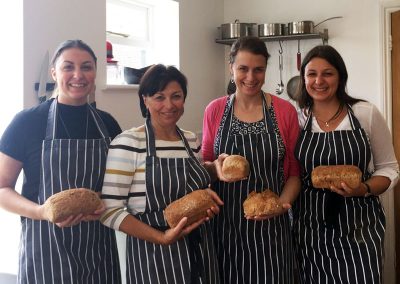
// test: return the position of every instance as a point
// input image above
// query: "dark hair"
(331, 55)
(251, 44)
(156, 79)
(72, 43)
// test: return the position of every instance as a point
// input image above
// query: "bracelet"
(368, 190)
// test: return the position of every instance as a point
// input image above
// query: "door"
(395, 27)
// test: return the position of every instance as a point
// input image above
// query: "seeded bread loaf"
(325, 176)
(235, 167)
(262, 203)
(193, 206)
(71, 202)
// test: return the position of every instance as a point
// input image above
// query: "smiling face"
(248, 72)
(75, 74)
(166, 106)
(321, 80)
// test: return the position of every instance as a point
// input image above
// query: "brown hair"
(251, 44)
(331, 55)
(156, 79)
(72, 43)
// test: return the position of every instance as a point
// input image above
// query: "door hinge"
(390, 44)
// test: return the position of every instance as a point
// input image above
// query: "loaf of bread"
(193, 206)
(235, 167)
(262, 203)
(325, 176)
(69, 202)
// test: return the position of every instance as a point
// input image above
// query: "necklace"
(65, 126)
(333, 118)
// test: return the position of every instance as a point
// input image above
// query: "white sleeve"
(384, 162)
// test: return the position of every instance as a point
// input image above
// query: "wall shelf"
(323, 35)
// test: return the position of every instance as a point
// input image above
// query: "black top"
(22, 140)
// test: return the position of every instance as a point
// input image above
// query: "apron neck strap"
(151, 141)
(266, 116)
(355, 124)
(51, 128)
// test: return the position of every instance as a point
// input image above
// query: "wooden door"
(395, 27)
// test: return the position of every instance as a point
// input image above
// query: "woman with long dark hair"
(339, 231)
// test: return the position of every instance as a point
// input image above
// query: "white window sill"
(121, 87)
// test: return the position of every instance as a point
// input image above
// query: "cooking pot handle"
(331, 18)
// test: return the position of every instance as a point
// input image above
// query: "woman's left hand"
(347, 191)
(285, 208)
(215, 209)
(96, 214)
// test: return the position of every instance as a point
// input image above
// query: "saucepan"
(305, 27)
(271, 29)
(301, 27)
(236, 30)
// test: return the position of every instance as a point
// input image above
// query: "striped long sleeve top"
(124, 187)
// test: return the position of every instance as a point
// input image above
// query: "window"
(142, 33)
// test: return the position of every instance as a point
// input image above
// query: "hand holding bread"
(193, 206)
(231, 168)
(266, 203)
(327, 176)
(72, 202)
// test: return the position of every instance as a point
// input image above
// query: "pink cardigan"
(288, 124)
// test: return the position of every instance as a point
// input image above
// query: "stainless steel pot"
(271, 29)
(301, 27)
(236, 30)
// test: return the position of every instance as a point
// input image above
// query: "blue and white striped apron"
(338, 239)
(87, 252)
(189, 260)
(252, 251)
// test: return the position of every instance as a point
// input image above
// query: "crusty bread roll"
(262, 203)
(235, 167)
(325, 176)
(193, 206)
(71, 202)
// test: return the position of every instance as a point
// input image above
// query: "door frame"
(387, 199)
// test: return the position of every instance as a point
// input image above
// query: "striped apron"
(338, 239)
(87, 252)
(252, 251)
(189, 260)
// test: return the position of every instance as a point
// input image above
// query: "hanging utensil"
(298, 56)
(292, 87)
(43, 78)
(281, 86)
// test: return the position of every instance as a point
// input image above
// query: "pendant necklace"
(333, 118)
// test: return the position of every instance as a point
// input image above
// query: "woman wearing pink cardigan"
(263, 128)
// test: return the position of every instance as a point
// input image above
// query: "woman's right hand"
(218, 167)
(181, 230)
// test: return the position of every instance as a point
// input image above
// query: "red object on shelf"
(110, 53)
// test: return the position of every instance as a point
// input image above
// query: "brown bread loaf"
(262, 203)
(193, 206)
(235, 167)
(71, 202)
(325, 176)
